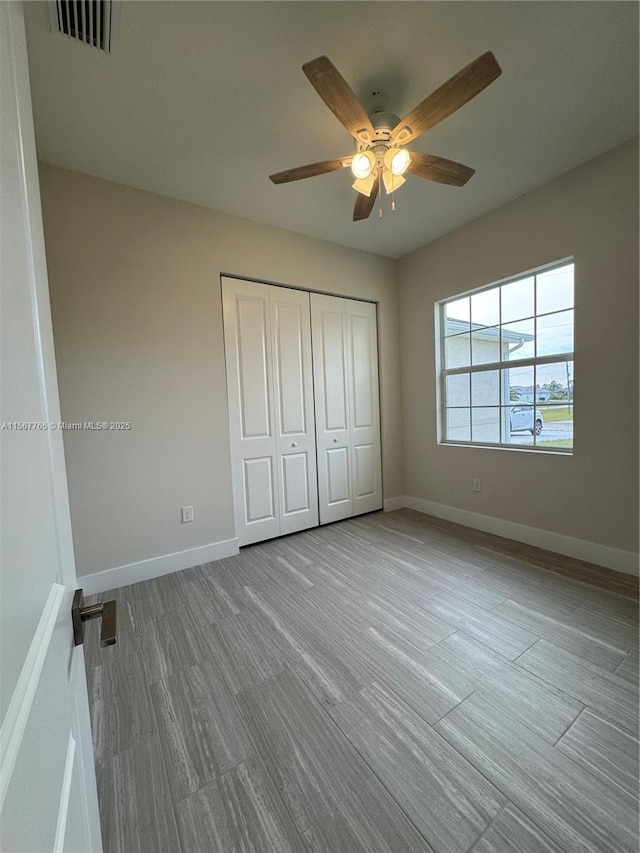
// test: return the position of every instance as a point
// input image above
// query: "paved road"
(550, 432)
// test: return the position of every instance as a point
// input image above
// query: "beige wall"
(137, 318)
(135, 290)
(592, 214)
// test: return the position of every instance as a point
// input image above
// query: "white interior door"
(294, 409)
(247, 335)
(364, 406)
(331, 383)
(48, 798)
(345, 364)
(271, 414)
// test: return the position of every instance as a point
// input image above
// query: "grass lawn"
(556, 442)
(556, 413)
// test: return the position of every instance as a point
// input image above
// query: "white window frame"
(442, 372)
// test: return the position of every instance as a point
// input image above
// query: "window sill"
(517, 448)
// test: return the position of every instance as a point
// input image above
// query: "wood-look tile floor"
(388, 683)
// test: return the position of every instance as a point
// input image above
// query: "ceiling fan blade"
(364, 204)
(439, 169)
(310, 171)
(452, 95)
(338, 96)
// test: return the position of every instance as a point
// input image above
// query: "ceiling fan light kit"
(392, 182)
(365, 185)
(380, 136)
(363, 164)
(397, 160)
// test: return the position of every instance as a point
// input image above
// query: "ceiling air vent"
(92, 22)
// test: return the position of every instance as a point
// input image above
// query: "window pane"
(517, 300)
(555, 404)
(517, 385)
(458, 390)
(457, 316)
(458, 425)
(454, 327)
(517, 423)
(508, 362)
(555, 333)
(518, 340)
(485, 308)
(485, 388)
(554, 290)
(556, 379)
(457, 351)
(485, 345)
(485, 424)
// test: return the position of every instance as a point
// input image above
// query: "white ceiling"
(201, 101)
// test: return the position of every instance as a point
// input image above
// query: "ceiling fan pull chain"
(380, 194)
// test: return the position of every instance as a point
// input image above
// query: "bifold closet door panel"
(294, 409)
(302, 380)
(364, 406)
(247, 331)
(331, 384)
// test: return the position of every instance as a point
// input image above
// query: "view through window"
(506, 357)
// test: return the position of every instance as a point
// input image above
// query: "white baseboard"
(394, 503)
(579, 549)
(145, 570)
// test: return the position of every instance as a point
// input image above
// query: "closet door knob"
(294, 444)
(335, 440)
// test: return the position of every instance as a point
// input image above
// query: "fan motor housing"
(383, 124)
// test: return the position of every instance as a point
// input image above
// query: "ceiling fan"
(380, 136)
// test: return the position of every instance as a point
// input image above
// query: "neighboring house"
(485, 342)
(527, 393)
(480, 406)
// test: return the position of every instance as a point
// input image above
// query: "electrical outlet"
(187, 514)
(477, 484)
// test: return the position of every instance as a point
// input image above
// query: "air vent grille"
(92, 22)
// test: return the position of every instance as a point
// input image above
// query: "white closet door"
(331, 384)
(294, 410)
(345, 366)
(247, 331)
(364, 406)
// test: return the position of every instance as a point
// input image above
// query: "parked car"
(525, 418)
